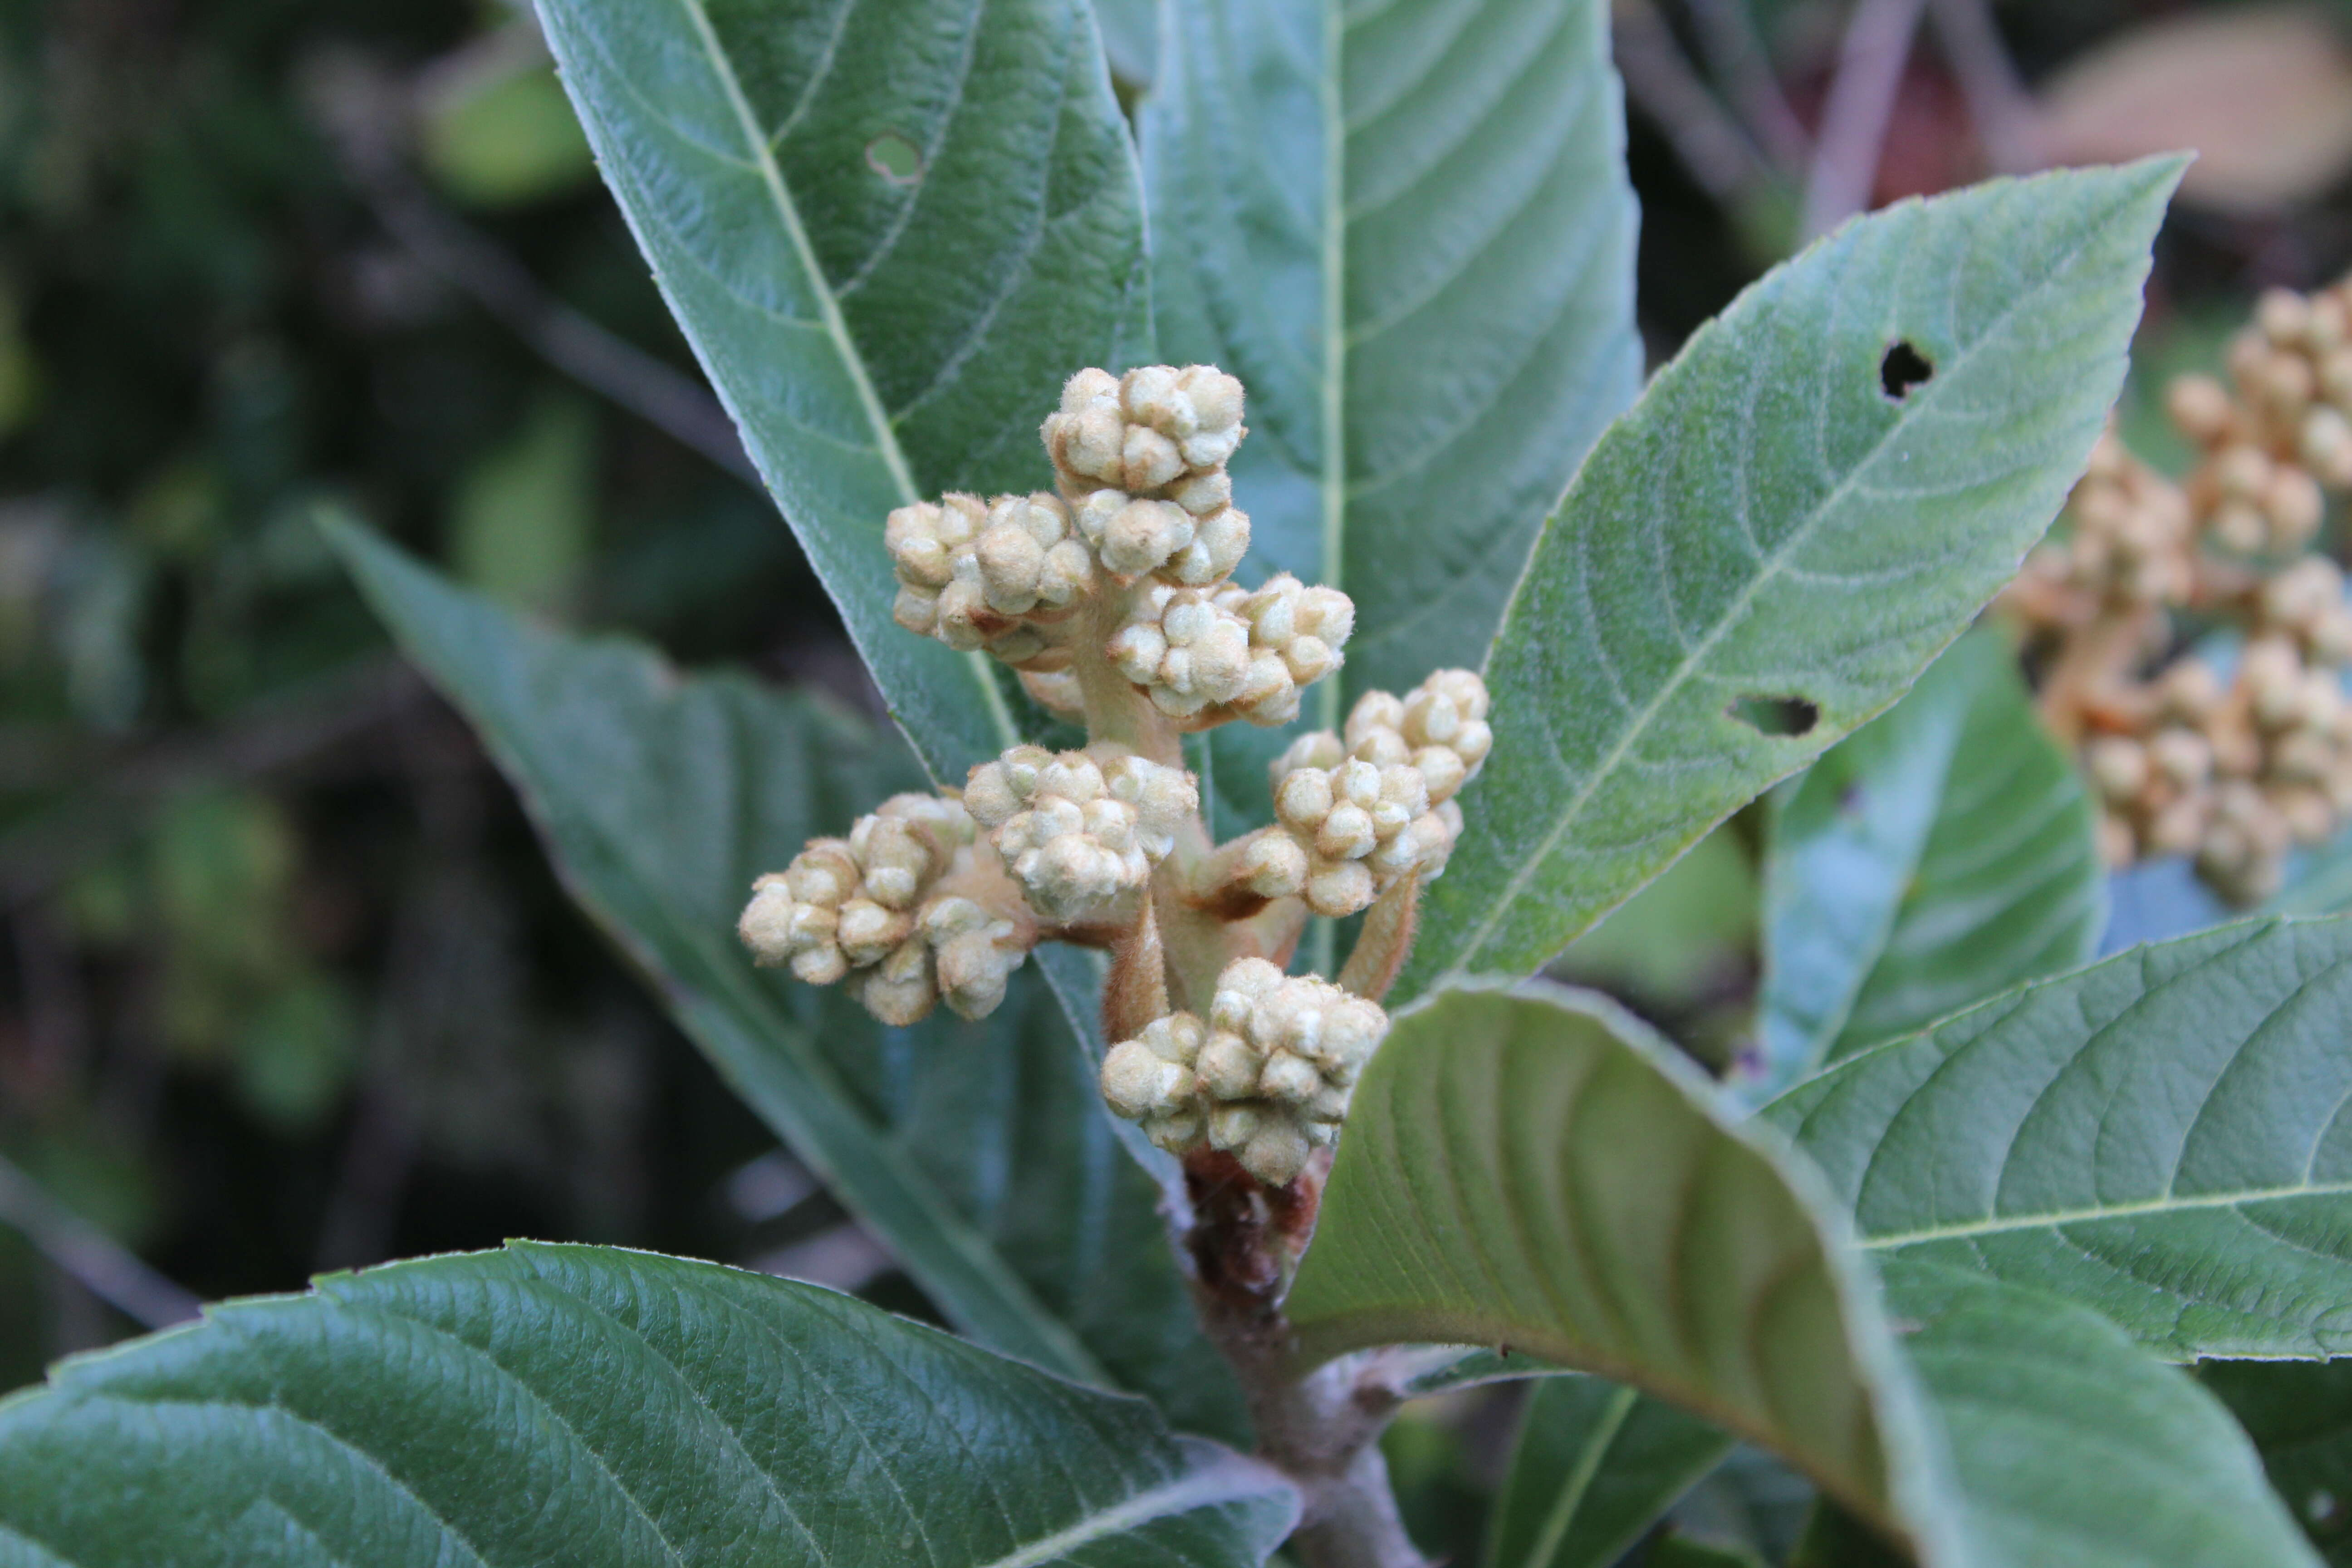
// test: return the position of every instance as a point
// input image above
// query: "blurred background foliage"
(285, 982)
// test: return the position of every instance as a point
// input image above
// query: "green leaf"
(2161, 1137)
(2072, 1446)
(598, 1408)
(980, 1153)
(1407, 228)
(1768, 547)
(1537, 1170)
(889, 233)
(1943, 852)
(1596, 1465)
(2300, 1418)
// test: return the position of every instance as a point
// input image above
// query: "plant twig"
(1659, 81)
(366, 121)
(278, 733)
(1736, 57)
(2006, 122)
(86, 1255)
(1871, 62)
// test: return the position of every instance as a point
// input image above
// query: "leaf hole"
(1776, 715)
(895, 158)
(1902, 368)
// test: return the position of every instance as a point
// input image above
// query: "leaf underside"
(599, 1409)
(1768, 548)
(1533, 1170)
(2161, 1137)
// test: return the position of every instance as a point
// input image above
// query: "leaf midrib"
(1571, 1500)
(1996, 1224)
(1773, 566)
(1334, 477)
(836, 328)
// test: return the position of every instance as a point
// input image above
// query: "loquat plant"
(1243, 793)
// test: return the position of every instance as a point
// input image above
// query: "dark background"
(285, 982)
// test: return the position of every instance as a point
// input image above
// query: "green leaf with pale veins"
(2071, 1446)
(1537, 1170)
(980, 1153)
(889, 233)
(1596, 1465)
(598, 1408)
(1944, 851)
(2162, 1137)
(1771, 545)
(2299, 1416)
(1406, 225)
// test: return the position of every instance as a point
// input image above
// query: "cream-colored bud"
(1177, 1037)
(1344, 888)
(1373, 710)
(2191, 690)
(1274, 867)
(2295, 506)
(1442, 769)
(2241, 526)
(2199, 406)
(1216, 397)
(1010, 563)
(1137, 1082)
(1151, 394)
(2284, 316)
(1149, 460)
(766, 925)
(1346, 834)
(1290, 1077)
(2309, 818)
(869, 930)
(2243, 471)
(1091, 444)
(2182, 757)
(1228, 1066)
(1317, 748)
(2117, 765)
(1275, 1153)
(2325, 444)
(1304, 799)
(899, 990)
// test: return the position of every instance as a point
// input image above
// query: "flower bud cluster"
(2132, 546)
(1205, 658)
(1142, 460)
(890, 910)
(1266, 1079)
(1080, 830)
(2233, 772)
(1362, 809)
(995, 575)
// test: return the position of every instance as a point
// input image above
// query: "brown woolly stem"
(1322, 1430)
(1136, 991)
(2091, 660)
(1114, 710)
(1216, 883)
(1386, 941)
